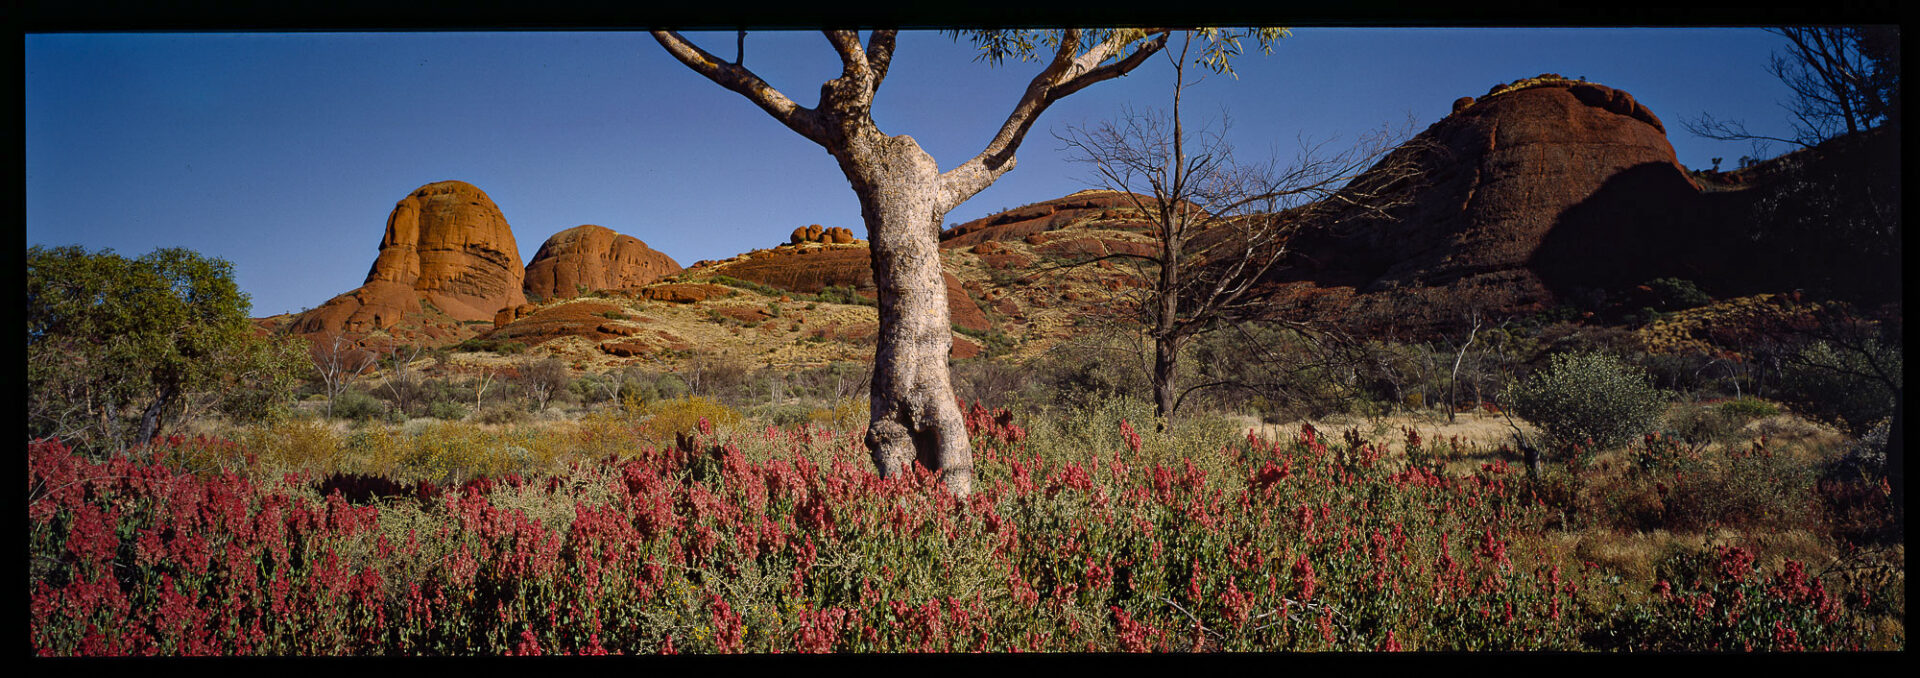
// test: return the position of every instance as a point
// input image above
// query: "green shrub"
(358, 405)
(447, 409)
(1674, 294)
(1697, 423)
(1748, 408)
(502, 415)
(1588, 396)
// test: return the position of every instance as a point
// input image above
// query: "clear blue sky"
(283, 153)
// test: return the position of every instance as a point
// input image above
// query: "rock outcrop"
(815, 233)
(808, 270)
(446, 245)
(1496, 177)
(587, 258)
(1050, 215)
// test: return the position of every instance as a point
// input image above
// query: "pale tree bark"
(904, 198)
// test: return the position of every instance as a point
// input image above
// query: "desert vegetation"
(1169, 455)
(725, 508)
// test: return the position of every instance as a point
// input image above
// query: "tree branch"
(880, 55)
(1065, 75)
(798, 118)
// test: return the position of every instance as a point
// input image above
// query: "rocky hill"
(586, 258)
(448, 257)
(1544, 192)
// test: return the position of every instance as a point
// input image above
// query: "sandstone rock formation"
(810, 270)
(447, 245)
(587, 258)
(1500, 173)
(684, 293)
(815, 233)
(1041, 217)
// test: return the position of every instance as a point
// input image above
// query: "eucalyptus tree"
(905, 196)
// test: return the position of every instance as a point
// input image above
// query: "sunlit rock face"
(446, 244)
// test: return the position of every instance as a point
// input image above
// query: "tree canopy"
(119, 348)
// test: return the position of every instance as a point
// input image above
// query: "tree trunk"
(1166, 354)
(150, 419)
(914, 415)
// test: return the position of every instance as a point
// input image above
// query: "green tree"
(120, 349)
(1589, 396)
(904, 197)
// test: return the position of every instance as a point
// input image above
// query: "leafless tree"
(543, 379)
(904, 196)
(402, 385)
(1220, 227)
(1453, 378)
(340, 362)
(487, 375)
(1844, 79)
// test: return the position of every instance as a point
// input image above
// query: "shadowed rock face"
(593, 257)
(445, 244)
(1500, 173)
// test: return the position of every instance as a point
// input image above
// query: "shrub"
(447, 409)
(1674, 294)
(846, 414)
(358, 405)
(1586, 396)
(1699, 424)
(502, 415)
(680, 415)
(1749, 407)
(543, 380)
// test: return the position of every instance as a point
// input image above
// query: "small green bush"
(1588, 396)
(358, 405)
(447, 409)
(1674, 294)
(502, 415)
(1748, 408)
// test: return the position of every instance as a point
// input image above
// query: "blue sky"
(283, 153)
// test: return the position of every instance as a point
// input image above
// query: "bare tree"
(1844, 79)
(340, 362)
(904, 197)
(543, 379)
(1220, 227)
(402, 385)
(1453, 378)
(487, 375)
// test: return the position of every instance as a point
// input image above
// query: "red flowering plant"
(782, 540)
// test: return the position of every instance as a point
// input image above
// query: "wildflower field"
(1090, 535)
